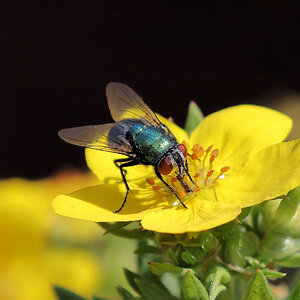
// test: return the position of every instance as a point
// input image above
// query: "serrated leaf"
(271, 274)
(125, 294)
(258, 287)
(131, 278)
(194, 117)
(65, 294)
(216, 280)
(295, 294)
(161, 268)
(193, 289)
(147, 249)
(151, 291)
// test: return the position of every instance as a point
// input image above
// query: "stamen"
(174, 179)
(196, 189)
(150, 181)
(209, 173)
(194, 156)
(197, 175)
(182, 193)
(206, 153)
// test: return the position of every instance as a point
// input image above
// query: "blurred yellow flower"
(30, 261)
(236, 161)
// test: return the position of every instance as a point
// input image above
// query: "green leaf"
(137, 234)
(232, 248)
(189, 258)
(193, 289)
(216, 280)
(161, 268)
(291, 261)
(124, 293)
(271, 274)
(65, 294)
(172, 256)
(147, 250)
(151, 291)
(258, 287)
(131, 278)
(97, 298)
(194, 117)
(208, 241)
(197, 252)
(110, 228)
(295, 295)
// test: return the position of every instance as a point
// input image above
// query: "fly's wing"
(125, 103)
(96, 137)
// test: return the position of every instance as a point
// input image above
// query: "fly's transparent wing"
(96, 137)
(125, 103)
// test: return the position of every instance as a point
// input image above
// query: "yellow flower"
(30, 261)
(237, 160)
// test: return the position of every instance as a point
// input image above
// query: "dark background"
(57, 56)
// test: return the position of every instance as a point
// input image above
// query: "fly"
(138, 134)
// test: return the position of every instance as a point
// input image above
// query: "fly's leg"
(171, 189)
(127, 163)
(187, 172)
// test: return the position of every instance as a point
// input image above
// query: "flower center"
(201, 165)
(201, 169)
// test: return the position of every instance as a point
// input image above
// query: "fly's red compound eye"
(165, 167)
(182, 148)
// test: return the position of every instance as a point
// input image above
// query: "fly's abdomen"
(153, 143)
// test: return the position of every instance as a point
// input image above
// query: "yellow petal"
(240, 130)
(98, 203)
(200, 215)
(265, 175)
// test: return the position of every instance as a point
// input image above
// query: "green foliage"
(216, 280)
(65, 294)
(258, 287)
(295, 295)
(124, 293)
(194, 117)
(193, 289)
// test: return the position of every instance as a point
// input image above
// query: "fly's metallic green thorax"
(151, 142)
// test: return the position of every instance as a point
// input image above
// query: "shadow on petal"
(98, 203)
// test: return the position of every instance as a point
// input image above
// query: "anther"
(194, 156)
(197, 175)
(225, 169)
(150, 181)
(156, 188)
(196, 189)
(173, 180)
(209, 148)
